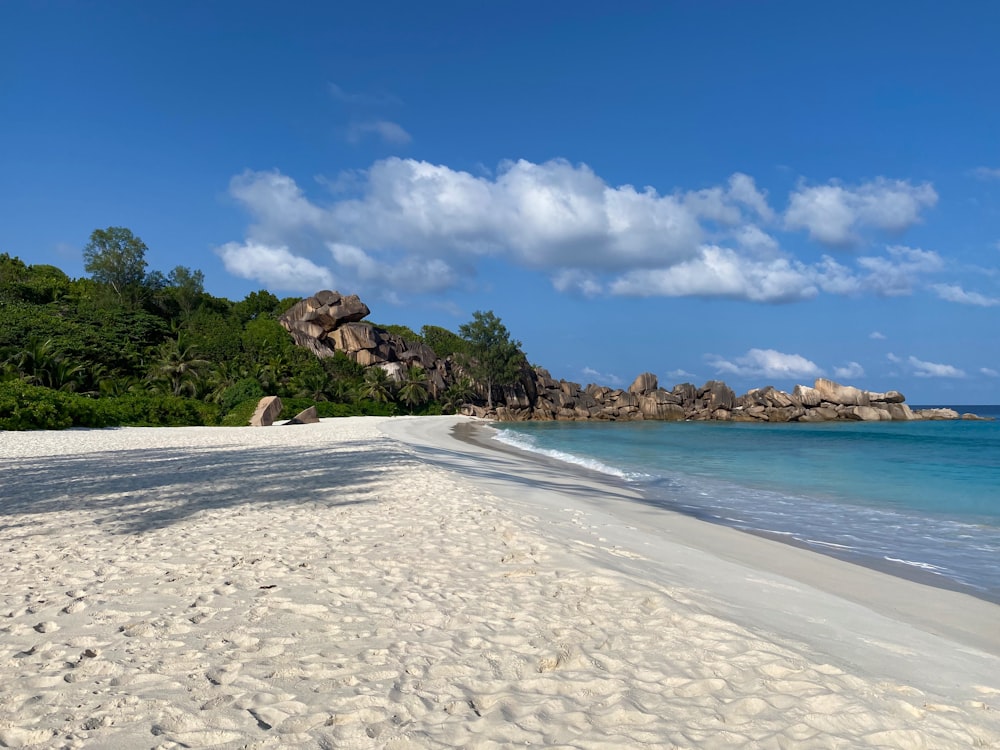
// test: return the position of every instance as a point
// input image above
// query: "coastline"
(477, 433)
(628, 524)
(378, 582)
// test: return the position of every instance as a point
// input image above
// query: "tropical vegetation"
(129, 346)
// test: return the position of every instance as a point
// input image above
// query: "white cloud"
(720, 272)
(766, 363)
(409, 273)
(581, 282)
(752, 238)
(405, 225)
(388, 131)
(933, 370)
(279, 207)
(989, 372)
(896, 274)
(274, 267)
(877, 336)
(986, 173)
(893, 358)
(743, 189)
(834, 214)
(955, 293)
(848, 371)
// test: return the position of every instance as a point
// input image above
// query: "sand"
(376, 583)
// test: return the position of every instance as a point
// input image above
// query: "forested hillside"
(131, 346)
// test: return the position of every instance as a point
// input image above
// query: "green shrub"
(30, 407)
(240, 391)
(239, 416)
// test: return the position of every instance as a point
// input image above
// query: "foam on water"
(528, 443)
(921, 496)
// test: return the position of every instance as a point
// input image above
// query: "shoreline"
(375, 582)
(628, 524)
(469, 433)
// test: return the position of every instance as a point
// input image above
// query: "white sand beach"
(379, 583)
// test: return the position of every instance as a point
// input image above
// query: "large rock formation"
(329, 322)
(268, 409)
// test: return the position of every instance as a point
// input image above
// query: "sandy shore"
(376, 583)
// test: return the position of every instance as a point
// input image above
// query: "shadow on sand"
(132, 491)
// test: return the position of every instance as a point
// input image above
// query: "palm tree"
(179, 367)
(62, 375)
(40, 364)
(313, 384)
(32, 361)
(119, 386)
(458, 393)
(414, 390)
(376, 386)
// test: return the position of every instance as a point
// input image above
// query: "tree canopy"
(494, 358)
(116, 259)
(130, 345)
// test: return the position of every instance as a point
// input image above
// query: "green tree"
(116, 259)
(179, 367)
(493, 357)
(256, 305)
(414, 392)
(187, 287)
(442, 341)
(376, 386)
(457, 394)
(40, 364)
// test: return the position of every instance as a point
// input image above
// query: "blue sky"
(760, 192)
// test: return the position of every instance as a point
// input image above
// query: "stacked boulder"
(329, 322)
(644, 400)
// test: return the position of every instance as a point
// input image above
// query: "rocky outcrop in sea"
(329, 322)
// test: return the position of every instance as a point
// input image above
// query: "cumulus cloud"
(274, 267)
(752, 238)
(278, 205)
(835, 214)
(877, 336)
(989, 372)
(955, 293)
(720, 272)
(725, 204)
(848, 371)
(388, 131)
(409, 273)
(410, 225)
(933, 370)
(766, 363)
(896, 273)
(576, 281)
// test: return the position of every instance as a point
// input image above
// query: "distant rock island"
(328, 322)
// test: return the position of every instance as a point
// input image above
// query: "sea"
(916, 499)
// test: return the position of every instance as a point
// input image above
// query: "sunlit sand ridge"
(212, 587)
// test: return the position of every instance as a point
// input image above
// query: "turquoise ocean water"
(919, 499)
